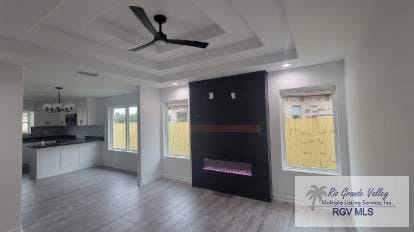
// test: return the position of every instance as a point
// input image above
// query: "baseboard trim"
(117, 169)
(18, 229)
(284, 198)
(148, 180)
(178, 178)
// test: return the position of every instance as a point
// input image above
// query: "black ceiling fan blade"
(142, 16)
(188, 43)
(142, 47)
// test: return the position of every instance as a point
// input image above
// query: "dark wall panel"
(231, 129)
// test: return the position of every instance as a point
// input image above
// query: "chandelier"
(58, 107)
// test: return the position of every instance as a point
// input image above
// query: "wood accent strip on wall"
(227, 128)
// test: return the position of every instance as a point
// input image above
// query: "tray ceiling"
(95, 35)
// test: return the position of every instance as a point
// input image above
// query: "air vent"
(88, 74)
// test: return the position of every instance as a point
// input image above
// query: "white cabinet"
(26, 152)
(81, 111)
(86, 111)
(47, 162)
(89, 156)
(43, 118)
(91, 111)
(70, 158)
(62, 118)
(84, 108)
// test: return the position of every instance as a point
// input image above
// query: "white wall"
(380, 97)
(283, 181)
(175, 168)
(116, 159)
(317, 75)
(150, 135)
(147, 163)
(28, 105)
(11, 103)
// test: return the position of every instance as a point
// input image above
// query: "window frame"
(110, 129)
(309, 91)
(166, 107)
(30, 121)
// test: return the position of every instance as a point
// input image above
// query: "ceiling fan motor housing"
(159, 37)
(161, 19)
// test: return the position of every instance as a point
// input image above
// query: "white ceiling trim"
(59, 40)
(264, 17)
(30, 55)
(20, 16)
(251, 64)
(201, 35)
(70, 16)
(95, 35)
(223, 14)
(120, 38)
(210, 54)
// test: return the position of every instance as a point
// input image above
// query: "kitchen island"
(59, 157)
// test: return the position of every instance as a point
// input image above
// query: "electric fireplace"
(230, 167)
(229, 135)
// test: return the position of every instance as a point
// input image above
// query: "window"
(309, 131)
(296, 111)
(27, 121)
(178, 130)
(124, 129)
(133, 128)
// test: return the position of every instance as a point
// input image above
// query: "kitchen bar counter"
(59, 158)
(88, 139)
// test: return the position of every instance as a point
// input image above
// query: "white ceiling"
(53, 39)
(38, 85)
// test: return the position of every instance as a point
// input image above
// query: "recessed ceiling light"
(286, 65)
(175, 83)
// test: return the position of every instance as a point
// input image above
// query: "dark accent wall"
(231, 130)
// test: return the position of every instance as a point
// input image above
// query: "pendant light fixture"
(58, 107)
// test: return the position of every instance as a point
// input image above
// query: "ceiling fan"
(159, 37)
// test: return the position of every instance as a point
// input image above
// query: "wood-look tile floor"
(106, 200)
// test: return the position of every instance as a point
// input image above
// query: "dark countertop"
(34, 139)
(88, 139)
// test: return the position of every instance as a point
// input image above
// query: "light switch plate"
(233, 95)
(211, 95)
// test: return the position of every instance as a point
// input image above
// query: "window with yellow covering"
(177, 131)
(309, 131)
(123, 129)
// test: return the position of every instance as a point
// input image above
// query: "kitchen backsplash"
(82, 131)
(46, 131)
(78, 131)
